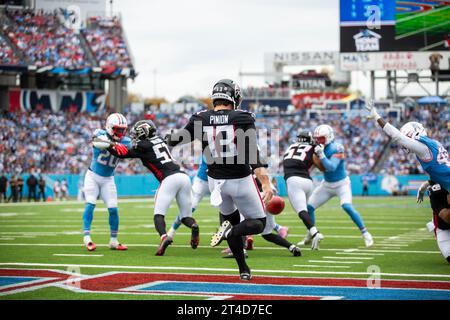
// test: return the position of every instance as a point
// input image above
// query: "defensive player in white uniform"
(335, 183)
(99, 179)
(434, 159)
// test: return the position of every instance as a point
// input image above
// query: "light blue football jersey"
(437, 168)
(103, 163)
(340, 173)
(202, 170)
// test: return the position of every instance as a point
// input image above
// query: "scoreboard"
(390, 25)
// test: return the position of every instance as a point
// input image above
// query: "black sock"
(248, 227)
(304, 215)
(160, 224)
(448, 259)
(234, 218)
(275, 238)
(188, 221)
(237, 247)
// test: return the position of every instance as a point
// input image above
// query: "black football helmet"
(305, 136)
(229, 90)
(143, 129)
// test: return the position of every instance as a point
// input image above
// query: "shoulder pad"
(99, 132)
(339, 148)
(126, 141)
(243, 116)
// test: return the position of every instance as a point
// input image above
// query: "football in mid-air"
(275, 205)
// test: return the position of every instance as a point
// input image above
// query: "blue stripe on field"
(351, 293)
(6, 281)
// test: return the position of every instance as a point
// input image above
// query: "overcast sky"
(193, 43)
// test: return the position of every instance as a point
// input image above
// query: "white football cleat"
(316, 241)
(307, 239)
(368, 240)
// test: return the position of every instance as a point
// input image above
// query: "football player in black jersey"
(228, 137)
(440, 204)
(298, 160)
(174, 183)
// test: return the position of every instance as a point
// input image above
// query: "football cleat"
(195, 236)
(283, 232)
(246, 276)
(91, 246)
(219, 236)
(117, 246)
(368, 240)
(296, 252)
(165, 242)
(307, 239)
(249, 243)
(226, 251)
(316, 241)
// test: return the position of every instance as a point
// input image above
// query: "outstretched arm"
(413, 145)
(328, 164)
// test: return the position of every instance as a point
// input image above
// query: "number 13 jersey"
(229, 142)
(298, 160)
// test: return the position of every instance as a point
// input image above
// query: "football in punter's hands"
(101, 142)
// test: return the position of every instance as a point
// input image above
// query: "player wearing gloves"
(431, 155)
(335, 183)
(174, 183)
(99, 179)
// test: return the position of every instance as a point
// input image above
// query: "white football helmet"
(116, 126)
(323, 134)
(413, 130)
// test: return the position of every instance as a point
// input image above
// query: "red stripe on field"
(123, 280)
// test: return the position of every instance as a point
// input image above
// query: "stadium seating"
(105, 39)
(44, 40)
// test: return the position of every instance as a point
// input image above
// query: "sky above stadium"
(182, 47)
(191, 44)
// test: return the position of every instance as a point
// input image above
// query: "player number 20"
(105, 158)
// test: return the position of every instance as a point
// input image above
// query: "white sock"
(87, 239)
(313, 231)
(113, 240)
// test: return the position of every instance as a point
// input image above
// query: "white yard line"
(233, 270)
(317, 266)
(76, 255)
(346, 258)
(344, 251)
(362, 253)
(338, 262)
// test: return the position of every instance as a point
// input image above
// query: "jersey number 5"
(298, 152)
(162, 152)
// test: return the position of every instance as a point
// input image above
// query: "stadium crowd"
(59, 143)
(7, 55)
(105, 38)
(44, 40)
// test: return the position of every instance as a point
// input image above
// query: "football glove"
(120, 149)
(319, 151)
(373, 114)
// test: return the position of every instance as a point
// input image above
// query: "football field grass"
(48, 236)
